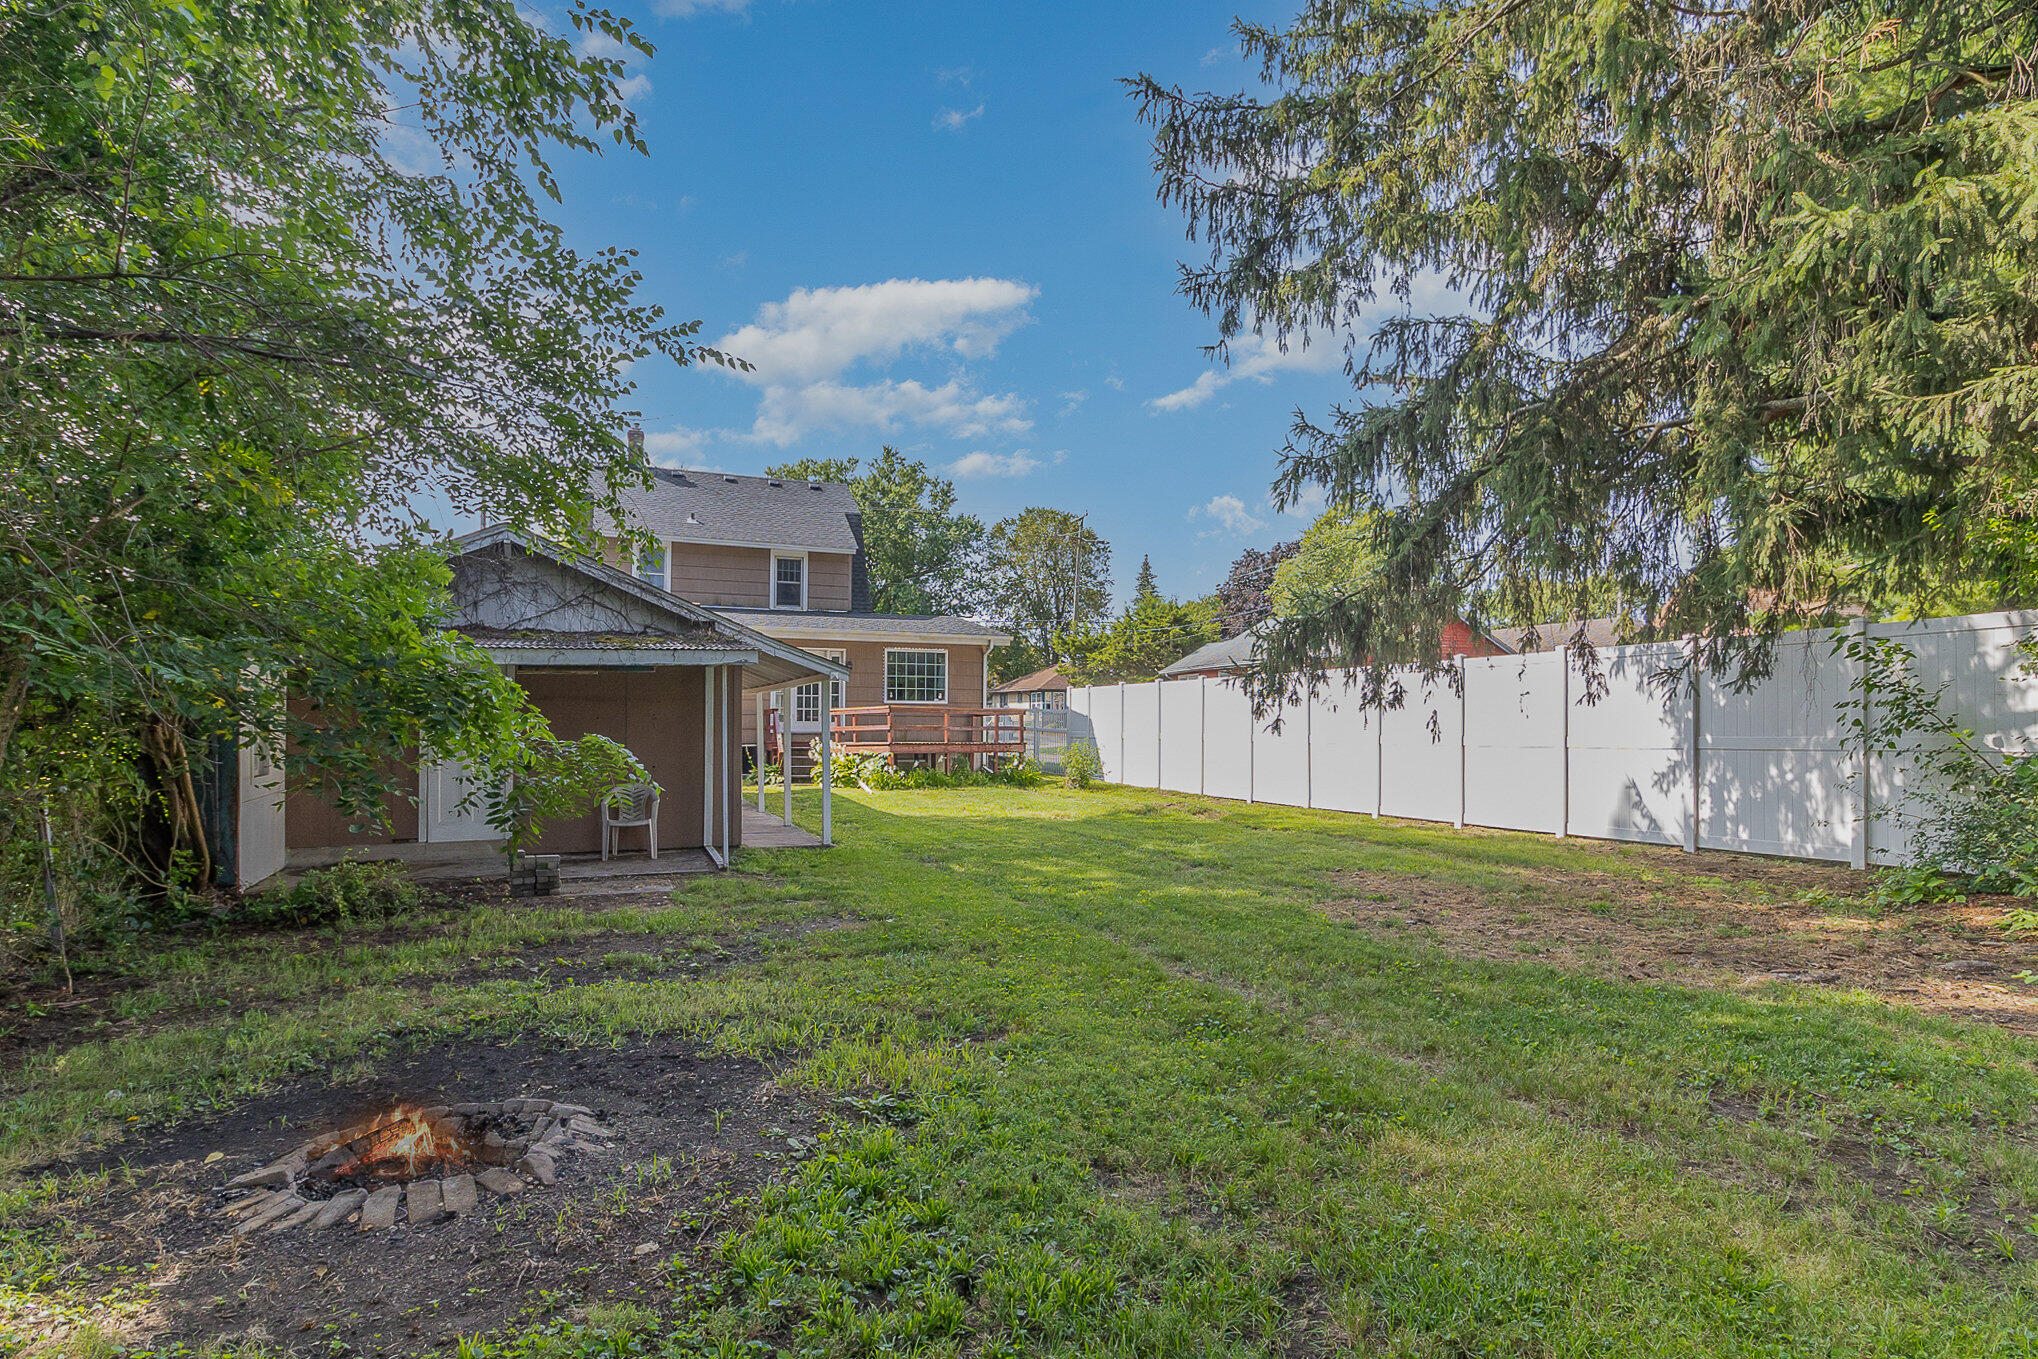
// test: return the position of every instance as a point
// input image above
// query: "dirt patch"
(1718, 920)
(692, 1132)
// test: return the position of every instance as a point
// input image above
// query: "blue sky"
(935, 226)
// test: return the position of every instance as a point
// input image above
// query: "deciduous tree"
(923, 555)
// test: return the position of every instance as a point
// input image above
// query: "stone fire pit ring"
(428, 1164)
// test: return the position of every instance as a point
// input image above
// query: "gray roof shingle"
(1599, 632)
(718, 507)
(1233, 653)
(878, 624)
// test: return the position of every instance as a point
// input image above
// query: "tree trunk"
(13, 697)
(163, 742)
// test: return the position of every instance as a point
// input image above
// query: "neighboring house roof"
(1599, 632)
(919, 626)
(654, 621)
(1047, 677)
(1233, 653)
(740, 511)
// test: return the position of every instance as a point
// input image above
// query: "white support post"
(729, 746)
(760, 749)
(1159, 746)
(1252, 752)
(1203, 734)
(708, 761)
(1309, 750)
(828, 761)
(1564, 741)
(1857, 849)
(1691, 748)
(1121, 732)
(1379, 757)
(1464, 702)
(785, 747)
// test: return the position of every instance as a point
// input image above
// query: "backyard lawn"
(1099, 1072)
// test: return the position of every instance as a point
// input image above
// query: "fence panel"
(1281, 759)
(1344, 773)
(1514, 742)
(1630, 754)
(1775, 774)
(1421, 762)
(1182, 735)
(1142, 736)
(1228, 742)
(1102, 707)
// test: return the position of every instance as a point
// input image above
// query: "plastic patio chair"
(631, 804)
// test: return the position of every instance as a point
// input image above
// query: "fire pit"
(427, 1163)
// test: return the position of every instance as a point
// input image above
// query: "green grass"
(1134, 1094)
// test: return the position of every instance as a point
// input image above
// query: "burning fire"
(399, 1143)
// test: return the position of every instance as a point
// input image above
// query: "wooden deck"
(917, 731)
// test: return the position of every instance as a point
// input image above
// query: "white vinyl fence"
(1517, 746)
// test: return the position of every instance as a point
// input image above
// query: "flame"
(401, 1142)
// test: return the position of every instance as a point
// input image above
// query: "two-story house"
(785, 558)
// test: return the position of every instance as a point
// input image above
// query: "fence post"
(1379, 757)
(1309, 750)
(1121, 732)
(1203, 735)
(1691, 746)
(1252, 751)
(1159, 746)
(1564, 740)
(1464, 703)
(1857, 850)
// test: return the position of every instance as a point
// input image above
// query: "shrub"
(344, 893)
(1081, 765)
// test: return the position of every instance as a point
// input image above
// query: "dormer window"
(788, 582)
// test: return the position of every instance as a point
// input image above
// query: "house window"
(807, 698)
(916, 677)
(788, 582)
(651, 565)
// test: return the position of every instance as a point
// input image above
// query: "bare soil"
(1718, 919)
(694, 1132)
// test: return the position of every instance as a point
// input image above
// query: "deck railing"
(913, 729)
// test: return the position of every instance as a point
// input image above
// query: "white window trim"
(946, 674)
(771, 579)
(836, 697)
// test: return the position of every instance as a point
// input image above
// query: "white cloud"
(633, 87)
(1253, 357)
(787, 414)
(803, 347)
(956, 75)
(1072, 400)
(1215, 55)
(1115, 383)
(600, 44)
(819, 332)
(981, 464)
(1229, 513)
(670, 443)
(954, 120)
(686, 9)
(1309, 505)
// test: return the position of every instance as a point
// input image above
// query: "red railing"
(915, 730)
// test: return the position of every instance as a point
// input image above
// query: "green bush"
(1081, 765)
(875, 772)
(347, 893)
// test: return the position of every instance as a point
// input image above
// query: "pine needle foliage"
(1742, 308)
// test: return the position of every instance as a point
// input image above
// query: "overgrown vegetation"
(874, 771)
(345, 894)
(271, 277)
(1109, 1077)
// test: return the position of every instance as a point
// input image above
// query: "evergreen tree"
(1146, 584)
(1743, 314)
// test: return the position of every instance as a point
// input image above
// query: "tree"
(1145, 584)
(1242, 601)
(1337, 559)
(246, 321)
(922, 555)
(1151, 634)
(1744, 301)
(1050, 576)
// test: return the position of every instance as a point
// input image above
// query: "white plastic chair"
(632, 804)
